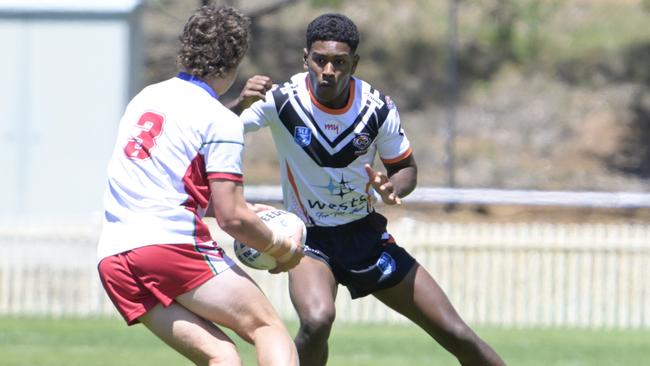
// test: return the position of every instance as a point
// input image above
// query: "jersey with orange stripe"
(322, 152)
(173, 137)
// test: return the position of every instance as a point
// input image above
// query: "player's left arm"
(399, 180)
(396, 154)
(403, 175)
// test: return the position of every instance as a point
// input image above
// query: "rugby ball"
(279, 221)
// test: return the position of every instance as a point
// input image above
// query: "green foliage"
(516, 27)
(327, 3)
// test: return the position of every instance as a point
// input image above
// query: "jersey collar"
(197, 81)
(329, 110)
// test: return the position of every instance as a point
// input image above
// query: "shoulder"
(294, 87)
(226, 116)
(374, 96)
(296, 84)
(382, 104)
(162, 89)
(208, 114)
(299, 79)
(223, 125)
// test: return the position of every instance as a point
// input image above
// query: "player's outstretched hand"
(382, 185)
(254, 90)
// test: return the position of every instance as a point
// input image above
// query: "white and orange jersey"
(322, 152)
(172, 138)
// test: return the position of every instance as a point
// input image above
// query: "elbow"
(411, 184)
(414, 177)
(409, 189)
(230, 223)
(233, 227)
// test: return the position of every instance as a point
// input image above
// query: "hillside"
(552, 95)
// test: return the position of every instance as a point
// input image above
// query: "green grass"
(94, 342)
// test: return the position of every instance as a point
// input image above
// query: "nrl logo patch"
(302, 136)
(361, 142)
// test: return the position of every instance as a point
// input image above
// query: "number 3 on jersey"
(150, 125)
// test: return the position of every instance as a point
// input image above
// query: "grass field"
(94, 342)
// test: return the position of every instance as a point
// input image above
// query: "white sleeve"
(258, 114)
(392, 143)
(223, 148)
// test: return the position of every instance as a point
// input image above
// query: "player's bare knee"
(255, 331)
(317, 320)
(254, 322)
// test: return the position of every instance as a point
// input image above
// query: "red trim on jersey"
(398, 158)
(330, 110)
(197, 187)
(292, 181)
(227, 176)
(195, 181)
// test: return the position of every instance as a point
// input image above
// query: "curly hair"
(333, 27)
(213, 42)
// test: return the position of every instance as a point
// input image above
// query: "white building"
(67, 70)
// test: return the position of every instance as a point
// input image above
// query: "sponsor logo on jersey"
(329, 147)
(340, 188)
(333, 126)
(361, 142)
(345, 206)
(302, 136)
(324, 210)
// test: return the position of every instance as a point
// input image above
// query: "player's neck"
(340, 102)
(217, 84)
(221, 84)
(337, 105)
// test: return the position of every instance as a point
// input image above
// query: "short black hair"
(333, 27)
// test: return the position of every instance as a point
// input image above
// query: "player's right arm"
(255, 89)
(234, 216)
(260, 114)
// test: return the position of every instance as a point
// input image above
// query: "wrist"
(279, 246)
(235, 105)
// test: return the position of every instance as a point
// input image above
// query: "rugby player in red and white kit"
(178, 149)
(328, 126)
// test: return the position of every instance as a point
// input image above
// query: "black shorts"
(362, 255)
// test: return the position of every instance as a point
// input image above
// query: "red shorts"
(139, 279)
